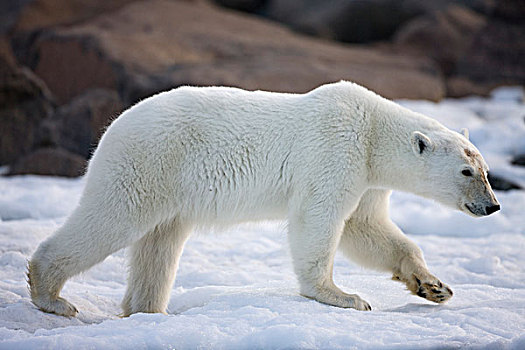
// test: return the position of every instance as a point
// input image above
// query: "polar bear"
(326, 160)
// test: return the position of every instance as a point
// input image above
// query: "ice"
(23, 197)
(508, 93)
(237, 289)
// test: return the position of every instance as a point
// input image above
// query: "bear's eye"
(467, 172)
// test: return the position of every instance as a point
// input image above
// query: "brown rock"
(31, 15)
(77, 59)
(349, 21)
(462, 87)
(476, 52)
(49, 161)
(510, 10)
(24, 103)
(9, 12)
(6, 53)
(243, 5)
(354, 21)
(180, 42)
(496, 54)
(78, 125)
(444, 35)
(286, 75)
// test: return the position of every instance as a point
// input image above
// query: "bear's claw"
(433, 290)
(428, 287)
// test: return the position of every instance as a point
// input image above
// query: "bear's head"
(454, 171)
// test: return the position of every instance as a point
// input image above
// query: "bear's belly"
(225, 206)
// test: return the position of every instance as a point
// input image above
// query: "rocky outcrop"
(49, 161)
(444, 35)
(496, 54)
(78, 125)
(350, 21)
(30, 15)
(54, 57)
(211, 46)
(509, 10)
(476, 51)
(24, 103)
(252, 6)
(463, 86)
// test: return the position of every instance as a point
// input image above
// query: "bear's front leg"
(373, 240)
(414, 273)
(314, 236)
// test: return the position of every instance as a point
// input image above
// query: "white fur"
(325, 160)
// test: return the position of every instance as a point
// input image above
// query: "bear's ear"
(420, 143)
(465, 133)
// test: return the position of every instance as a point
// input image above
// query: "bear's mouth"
(472, 210)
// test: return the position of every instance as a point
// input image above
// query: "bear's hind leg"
(75, 247)
(48, 302)
(153, 265)
(372, 239)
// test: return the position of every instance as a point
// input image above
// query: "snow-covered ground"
(237, 290)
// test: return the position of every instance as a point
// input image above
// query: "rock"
(49, 161)
(30, 15)
(510, 10)
(502, 184)
(24, 20)
(443, 35)
(484, 7)
(24, 103)
(479, 53)
(496, 54)
(283, 74)
(345, 20)
(90, 69)
(243, 5)
(461, 87)
(6, 54)
(519, 160)
(9, 11)
(78, 125)
(357, 21)
(211, 46)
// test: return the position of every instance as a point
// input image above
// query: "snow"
(237, 289)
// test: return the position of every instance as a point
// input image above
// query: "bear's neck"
(390, 154)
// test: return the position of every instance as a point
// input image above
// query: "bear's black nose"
(492, 209)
